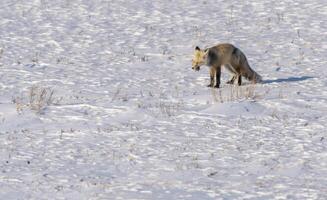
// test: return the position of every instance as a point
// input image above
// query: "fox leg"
(239, 79)
(218, 73)
(231, 81)
(212, 76)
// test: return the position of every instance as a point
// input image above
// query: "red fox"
(228, 56)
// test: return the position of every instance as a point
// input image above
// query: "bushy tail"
(246, 70)
(253, 76)
(249, 73)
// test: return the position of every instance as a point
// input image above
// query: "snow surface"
(131, 120)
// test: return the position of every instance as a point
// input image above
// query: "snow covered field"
(129, 119)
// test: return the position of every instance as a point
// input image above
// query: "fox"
(229, 56)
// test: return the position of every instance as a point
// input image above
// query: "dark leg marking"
(239, 79)
(231, 81)
(218, 74)
(212, 77)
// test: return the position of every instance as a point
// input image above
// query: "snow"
(129, 119)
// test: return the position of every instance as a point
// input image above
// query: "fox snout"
(195, 65)
(196, 68)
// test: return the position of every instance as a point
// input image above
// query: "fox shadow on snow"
(289, 79)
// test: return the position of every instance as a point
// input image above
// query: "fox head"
(199, 58)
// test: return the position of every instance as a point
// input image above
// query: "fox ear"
(197, 48)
